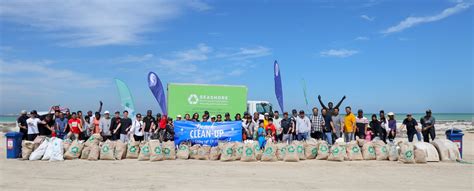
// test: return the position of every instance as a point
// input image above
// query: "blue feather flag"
(278, 86)
(156, 87)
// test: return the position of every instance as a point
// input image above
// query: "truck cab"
(261, 107)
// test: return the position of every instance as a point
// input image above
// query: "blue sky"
(402, 56)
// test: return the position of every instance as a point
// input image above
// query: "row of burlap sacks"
(94, 149)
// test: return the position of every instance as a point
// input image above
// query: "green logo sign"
(166, 151)
(323, 148)
(183, 147)
(291, 149)
(299, 149)
(249, 151)
(228, 151)
(74, 150)
(384, 149)
(355, 149)
(371, 150)
(145, 149)
(132, 149)
(158, 150)
(257, 148)
(269, 151)
(240, 149)
(335, 151)
(408, 154)
(314, 151)
(283, 150)
(105, 149)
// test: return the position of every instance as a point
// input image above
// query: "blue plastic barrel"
(455, 135)
(13, 145)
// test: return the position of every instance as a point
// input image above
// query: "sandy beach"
(216, 175)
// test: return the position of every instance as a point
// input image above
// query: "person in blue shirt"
(261, 134)
(61, 126)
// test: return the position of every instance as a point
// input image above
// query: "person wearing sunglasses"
(138, 128)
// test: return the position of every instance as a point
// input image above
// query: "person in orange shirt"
(271, 127)
(349, 125)
(96, 123)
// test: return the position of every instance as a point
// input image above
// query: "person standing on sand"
(96, 123)
(115, 126)
(328, 126)
(138, 128)
(32, 124)
(249, 127)
(48, 128)
(125, 125)
(428, 128)
(261, 134)
(338, 122)
(349, 125)
(376, 127)
(76, 127)
(317, 123)
(303, 126)
(384, 125)
(271, 127)
(22, 124)
(287, 126)
(411, 126)
(330, 107)
(61, 126)
(362, 123)
(104, 126)
(149, 121)
(277, 123)
(256, 123)
(392, 125)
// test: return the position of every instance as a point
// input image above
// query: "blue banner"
(157, 89)
(278, 86)
(207, 133)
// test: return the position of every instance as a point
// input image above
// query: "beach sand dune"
(216, 175)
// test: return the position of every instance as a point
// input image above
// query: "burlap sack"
(66, 144)
(300, 150)
(454, 154)
(368, 151)
(94, 152)
(26, 149)
(337, 153)
(323, 151)
(203, 152)
(420, 156)
(291, 154)
(74, 151)
(407, 153)
(381, 152)
(249, 153)
(85, 152)
(94, 139)
(238, 150)
(193, 151)
(392, 152)
(133, 149)
(156, 153)
(361, 142)
(281, 151)
(214, 154)
(227, 152)
(258, 151)
(107, 150)
(120, 150)
(430, 151)
(221, 144)
(311, 148)
(183, 151)
(169, 151)
(144, 151)
(353, 151)
(269, 154)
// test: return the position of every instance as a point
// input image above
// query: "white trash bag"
(39, 152)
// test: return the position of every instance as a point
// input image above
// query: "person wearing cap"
(428, 128)
(277, 123)
(227, 117)
(392, 125)
(115, 126)
(411, 126)
(104, 126)
(205, 118)
(317, 124)
(138, 128)
(349, 125)
(149, 121)
(179, 118)
(125, 125)
(22, 125)
(287, 126)
(219, 118)
(362, 123)
(61, 126)
(303, 126)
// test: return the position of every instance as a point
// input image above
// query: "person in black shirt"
(227, 117)
(330, 107)
(411, 126)
(376, 127)
(115, 126)
(22, 124)
(288, 128)
(149, 121)
(169, 132)
(428, 128)
(46, 129)
(125, 125)
(328, 125)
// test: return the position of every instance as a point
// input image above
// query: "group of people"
(327, 124)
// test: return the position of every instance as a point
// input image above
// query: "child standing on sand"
(261, 134)
(368, 134)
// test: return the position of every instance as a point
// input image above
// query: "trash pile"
(55, 149)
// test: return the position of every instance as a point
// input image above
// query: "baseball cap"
(409, 114)
(391, 113)
(106, 112)
(23, 112)
(178, 116)
(360, 111)
(428, 111)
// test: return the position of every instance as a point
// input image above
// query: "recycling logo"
(299, 149)
(314, 151)
(249, 151)
(229, 151)
(105, 149)
(193, 99)
(239, 150)
(371, 150)
(324, 148)
(291, 149)
(408, 154)
(158, 150)
(335, 151)
(384, 149)
(166, 151)
(282, 150)
(74, 150)
(269, 151)
(182, 147)
(355, 149)
(257, 148)
(133, 149)
(146, 149)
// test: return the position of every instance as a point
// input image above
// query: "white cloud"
(135, 59)
(362, 38)
(413, 21)
(365, 17)
(97, 23)
(342, 53)
(246, 53)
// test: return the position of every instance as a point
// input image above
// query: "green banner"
(196, 98)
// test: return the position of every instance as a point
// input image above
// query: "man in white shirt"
(303, 126)
(104, 126)
(277, 123)
(32, 123)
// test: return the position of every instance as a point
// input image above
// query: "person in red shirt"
(271, 127)
(75, 125)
